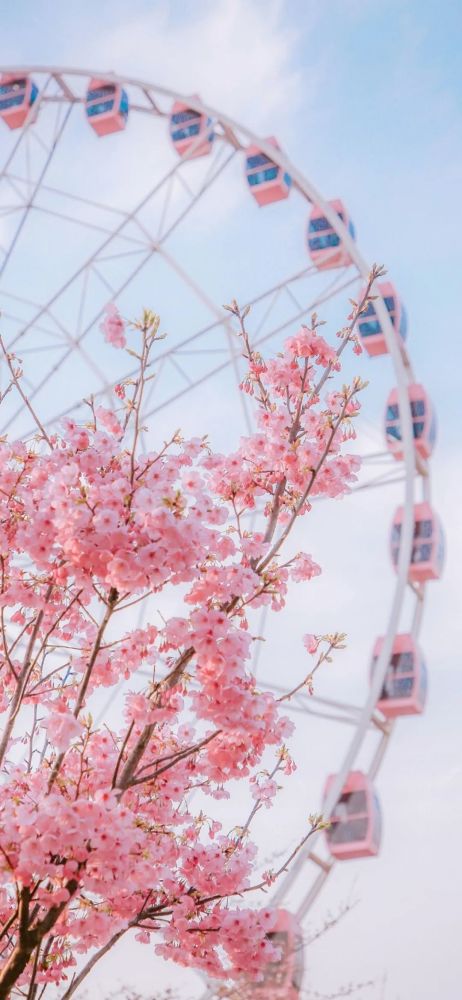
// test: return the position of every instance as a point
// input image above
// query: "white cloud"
(238, 54)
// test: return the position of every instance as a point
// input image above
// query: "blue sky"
(365, 96)
(374, 91)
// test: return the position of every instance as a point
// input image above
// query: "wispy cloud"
(239, 54)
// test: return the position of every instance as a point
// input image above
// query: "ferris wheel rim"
(403, 374)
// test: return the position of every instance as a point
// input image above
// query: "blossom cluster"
(98, 833)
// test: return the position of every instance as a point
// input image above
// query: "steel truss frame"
(65, 88)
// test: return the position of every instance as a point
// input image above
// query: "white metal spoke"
(34, 192)
(332, 290)
(117, 291)
(76, 341)
(217, 369)
(224, 321)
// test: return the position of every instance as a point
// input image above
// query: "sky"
(365, 97)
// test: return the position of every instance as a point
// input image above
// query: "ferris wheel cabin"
(324, 244)
(404, 690)
(423, 422)
(282, 980)
(106, 106)
(191, 131)
(427, 555)
(267, 181)
(369, 327)
(355, 824)
(17, 96)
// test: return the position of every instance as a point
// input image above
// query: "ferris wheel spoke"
(124, 237)
(13, 318)
(152, 389)
(82, 303)
(79, 199)
(378, 458)
(216, 160)
(17, 184)
(64, 87)
(65, 336)
(267, 313)
(195, 198)
(324, 708)
(165, 207)
(81, 273)
(395, 475)
(91, 260)
(217, 369)
(333, 288)
(330, 291)
(116, 232)
(327, 716)
(322, 876)
(104, 281)
(224, 320)
(8, 209)
(149, 98)
(291, 295)
(142, 248)
(269, 293)
(175, 364)
(75, 342)
(36, 188)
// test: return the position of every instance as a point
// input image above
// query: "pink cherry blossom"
(99, 832)
(62, 728)
(311, 643)
(113, 327)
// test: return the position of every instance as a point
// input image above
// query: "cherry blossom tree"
(99, 836)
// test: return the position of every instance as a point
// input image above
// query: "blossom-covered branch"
(98, 833)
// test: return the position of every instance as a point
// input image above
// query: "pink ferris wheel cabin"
(267, 181)
(191, 131)
(17, 96)
(427, 554)
(355, 825)
(106, 106)
(369, 327)
(282, 980)
(423, 422)
(404, 690)
(324, 244)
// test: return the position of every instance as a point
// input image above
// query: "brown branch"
(288, 528)
(92, 962)
(318, 825)
(111, 602)
(376, 272)
(24, 398)
(181, 755)
(143, 741)
(23, 679)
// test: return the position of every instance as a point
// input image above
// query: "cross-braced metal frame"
(124, 242)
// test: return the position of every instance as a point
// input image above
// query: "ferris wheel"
(115, 189)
